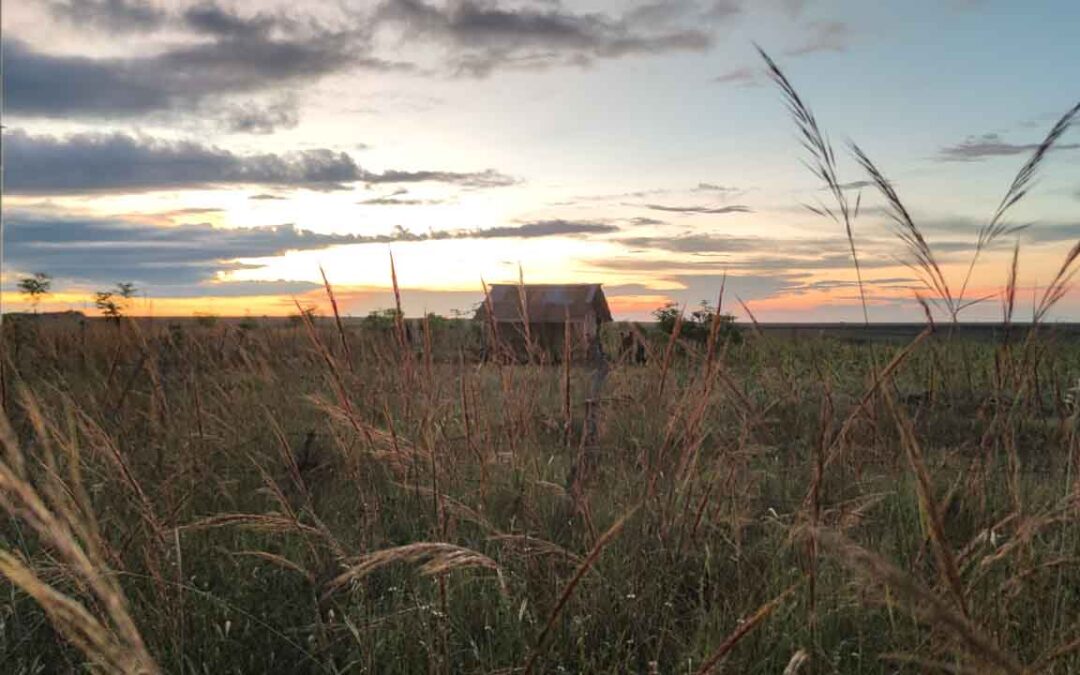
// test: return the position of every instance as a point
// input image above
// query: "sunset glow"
(217, 155)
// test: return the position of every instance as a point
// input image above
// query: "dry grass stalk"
(753, 319)
(669, 352)
(533, 546)
(568, 590)
(1008, 304)
(744, 628)
(280, 561)
(931, 665)
(258, 522)
(925, 263)
(78, 626)
(928, 504)
(923, 602)
(1059, 285)
(822, 164)
(796, 662)
(113, 640)
(568, 419)
(1058, 652)
(436, 558)
(492, 325)
(1018, 189)
(714, 332)
(523, 308)
(883, 375)
(346, 351)
(399, 317)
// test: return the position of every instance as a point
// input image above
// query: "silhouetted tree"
(36, 286)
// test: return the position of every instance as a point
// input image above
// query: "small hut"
(537, 315)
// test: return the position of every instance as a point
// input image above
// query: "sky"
(218, 153)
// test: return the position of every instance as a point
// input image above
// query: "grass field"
(283, 499)
(328, 497)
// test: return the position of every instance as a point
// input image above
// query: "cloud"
(483, 179)
(182, 78)
(855, 185)
(639, 220)
(546, 228)
(713, 187)
(723, 243)
(734, 208)
(113, 15)
(210, 19)
(94, 162)
(743, 75)
(824, 36)
(255, 119)
(485, 36)
(265, 196)
(219, 56)
(99, 250)
(977, 148)
(397, 201)
(720, 251)
(967, 228)
(695, 287)
(90, 250)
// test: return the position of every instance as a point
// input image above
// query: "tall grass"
(292, 513)
(337, 497)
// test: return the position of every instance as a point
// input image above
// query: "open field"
(278, 499)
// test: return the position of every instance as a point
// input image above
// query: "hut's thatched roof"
(547, 303)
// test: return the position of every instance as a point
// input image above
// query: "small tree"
(297, 319)
(697, 325)
(381, 319)
(248, 323)
(106, 302)
(126, 290)
(114, 303)
(35, 287)
(206, 319)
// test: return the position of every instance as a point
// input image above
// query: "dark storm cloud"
(975, 148)
(715, 210)
(487, 36)
(93, 162)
